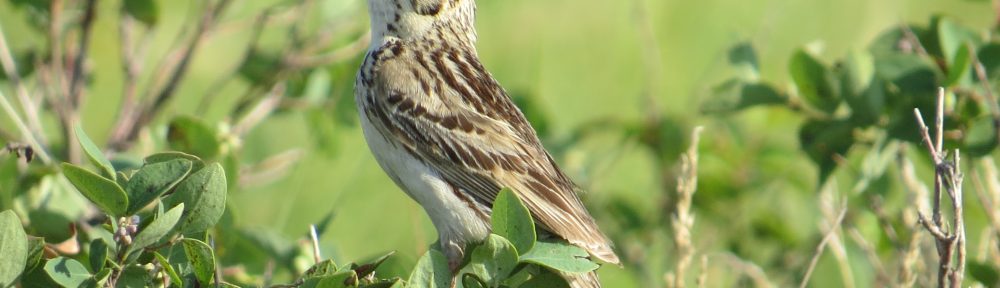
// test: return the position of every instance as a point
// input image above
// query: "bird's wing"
(445, 108)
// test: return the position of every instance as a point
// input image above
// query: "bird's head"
(406, 19)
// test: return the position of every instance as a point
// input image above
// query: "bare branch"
(86, 28)
(683, 221)
(126, 130)
(315, 244)
(822, 245)
(950, 244)
(23, 128)
(29, 107)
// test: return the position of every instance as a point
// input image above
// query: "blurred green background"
(579, 61)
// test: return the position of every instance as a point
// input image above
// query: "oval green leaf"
(560, 256)
(157, 229)
(432, 271)
(512, 220)
(202, 259)
(94, 153)
(98, 254)
(190, 135)
(174, 277)
(204, 192)
(106, 194)
(67, 272)
(145, 11)
(13, 247)
(815, 82)
(153, 180)
(492, 261)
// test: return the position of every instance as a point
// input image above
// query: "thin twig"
(23, 128)
(988, 90)
(298, 62)
(822, 245)
(748, 268)
(315, 244)
(126, 130)
(259, 112)
(86, 28)
(29, 107)
(912, 39)
(683, 220)
(881, 275)
(950, 244)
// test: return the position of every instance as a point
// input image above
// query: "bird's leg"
(455, 254)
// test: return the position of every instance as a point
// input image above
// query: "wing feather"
(444, 107)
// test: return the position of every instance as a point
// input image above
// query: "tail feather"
(585, 280)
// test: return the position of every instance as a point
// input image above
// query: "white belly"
(456, 222)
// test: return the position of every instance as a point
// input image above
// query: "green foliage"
(146, 11)
(191, 199)
(67, 272)
(13, 247)
(512, 220)
(880, 87)
(160, 227)
(104, 193)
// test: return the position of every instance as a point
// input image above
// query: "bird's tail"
(585, 280)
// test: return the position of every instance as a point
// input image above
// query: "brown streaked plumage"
(449, 135)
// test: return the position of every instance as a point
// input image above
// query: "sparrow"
(450, 137)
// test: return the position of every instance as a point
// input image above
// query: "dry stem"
(683, 221)
(950, 242)
(822, 245)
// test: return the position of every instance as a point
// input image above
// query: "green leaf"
(861, 90)
(145, 11)
(340, 279)
(155, 231)
(324, 268)
(94, 154)
(202, 259)
(953, 37)
(960, 66)
(431, 271)
(172, 155)
(101, 277)
(735, 95)
(98, 254)
(981, 137)
(13, 248)
(135, 276)
(743, 57)
(560, 256)
(67, 272)
(823, 139)
(25, 64)
(470, 280)
(989, 56)
(258, 67)
(106, 194)
(815, 82)
(493, 260)
(174, 277)
(984, 273)
(193, 136)
(545, 279)
(36, 249)
(152, 180)
(512, 220)
(204, 192)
